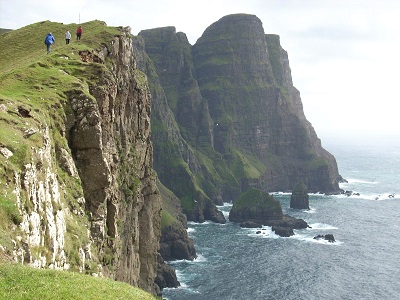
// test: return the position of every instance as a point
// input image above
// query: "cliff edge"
(77, 181)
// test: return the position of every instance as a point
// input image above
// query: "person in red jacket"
(79, 33)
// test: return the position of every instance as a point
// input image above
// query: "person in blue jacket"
(49, 40)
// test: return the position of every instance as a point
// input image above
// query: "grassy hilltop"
(33, 86)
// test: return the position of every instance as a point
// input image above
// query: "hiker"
(79, 33)
(67, 37)
(49, 40)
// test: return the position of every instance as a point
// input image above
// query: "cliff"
(230, 117)
(78, 190)
(178, 164)
(77, 185)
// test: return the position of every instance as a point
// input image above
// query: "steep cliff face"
(177, 162)
(245, 77)
(236, 111)
(110, 141)
(84, 184)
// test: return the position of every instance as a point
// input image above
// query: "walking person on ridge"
(49, 40)
(79, 33)
(67, 37)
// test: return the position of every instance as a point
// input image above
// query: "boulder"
(288, 221)
(328, 237)
(283, 231)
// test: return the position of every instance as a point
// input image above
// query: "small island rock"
(299, 198)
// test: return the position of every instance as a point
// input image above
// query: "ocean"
(363, 263)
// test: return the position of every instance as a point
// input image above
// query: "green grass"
(8, 212)
(167, 219)
(256, 198)
(25, 46)
(20, 282)
(36, 82)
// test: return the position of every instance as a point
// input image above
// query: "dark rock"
(299, 198)
(328, 237)
(288, 221)
(283, 231)
(175, 244)
(348, 193)
(249, 224)
(255, 206)
(166, 276)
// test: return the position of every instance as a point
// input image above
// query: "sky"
(344, 54)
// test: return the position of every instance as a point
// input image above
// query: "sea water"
(364, 262)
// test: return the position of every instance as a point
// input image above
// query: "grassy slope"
(36, 82)
(20, 282)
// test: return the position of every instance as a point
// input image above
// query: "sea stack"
(299, 198)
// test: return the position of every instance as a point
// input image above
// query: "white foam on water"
(374, 197)
(264, 232)
(226, 204)
(183, 286)
(356, 180)
(310, 239)
(318, 226)
(190, 230)
(309, 211)
(281, 193)
(197, 223)
(200, 258)
(226, 214)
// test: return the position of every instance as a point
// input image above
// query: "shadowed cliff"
(237, 119)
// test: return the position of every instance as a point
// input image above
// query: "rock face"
(227, 116)
(110, 142)
(81, 171)
(255, 208)
(299, 197)
(178, 166)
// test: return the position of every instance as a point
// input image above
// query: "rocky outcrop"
(81, 170)
(166, 276)
(174, 244)
(327, 237)
(109, 136)
(255, 208)
(299, 197)
(228, 117)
